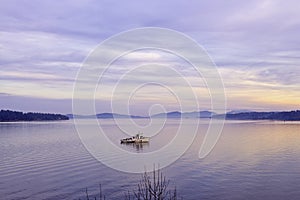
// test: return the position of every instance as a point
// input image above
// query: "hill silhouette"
(13, 116)
(280, 116)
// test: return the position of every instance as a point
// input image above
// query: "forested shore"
(13, 116)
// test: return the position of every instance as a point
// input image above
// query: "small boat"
(138, 138)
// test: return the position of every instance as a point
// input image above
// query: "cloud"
(255, 45)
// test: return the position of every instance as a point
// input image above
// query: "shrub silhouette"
(153, 186)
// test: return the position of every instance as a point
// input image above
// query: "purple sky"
(255, 45)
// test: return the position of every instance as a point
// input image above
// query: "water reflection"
(252, 160)
(138, 147)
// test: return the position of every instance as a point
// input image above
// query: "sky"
(255, 46)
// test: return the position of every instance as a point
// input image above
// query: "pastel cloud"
(255, 45)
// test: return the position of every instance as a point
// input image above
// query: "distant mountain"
(201, 114)
(176, 114)
(115, 115)
(232, 115)
(280, 116)
(239, 111)
(13, 116)
(72, 116)
(103, 116)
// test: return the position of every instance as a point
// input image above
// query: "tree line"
(12, 116)
(281, 116)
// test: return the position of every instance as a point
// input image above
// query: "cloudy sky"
(254, 44)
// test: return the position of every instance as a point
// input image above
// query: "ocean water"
(252, 160)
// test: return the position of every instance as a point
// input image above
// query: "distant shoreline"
(251, 115)
(17, 116)
(274, 116)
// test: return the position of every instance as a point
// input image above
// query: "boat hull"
(129, 140)
(136, 139)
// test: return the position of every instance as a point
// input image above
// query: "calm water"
(252, 160)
